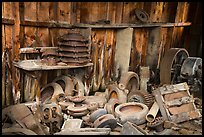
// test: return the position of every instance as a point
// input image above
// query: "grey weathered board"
(122, 52)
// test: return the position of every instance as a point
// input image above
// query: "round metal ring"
(141, 15)
(97, 113)
(105, 121)
(77, 108)
(131, 111)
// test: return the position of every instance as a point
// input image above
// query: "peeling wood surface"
(41, 23)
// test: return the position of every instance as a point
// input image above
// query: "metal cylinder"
(150, 117)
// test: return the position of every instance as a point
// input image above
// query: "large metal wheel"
(171, 65)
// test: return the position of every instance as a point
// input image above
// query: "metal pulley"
(141, 15)
(171, 64)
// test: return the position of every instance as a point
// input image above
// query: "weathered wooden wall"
(147, 42)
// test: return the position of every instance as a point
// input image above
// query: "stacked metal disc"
(73, 49)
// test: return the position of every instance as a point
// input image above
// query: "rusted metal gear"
(131, 111)
(66, 83)
(141, 15)
(51, 92)
(105, 121)
(113, 92)
(130, 81)
(158, 124)
(171, 64)
(141, 97)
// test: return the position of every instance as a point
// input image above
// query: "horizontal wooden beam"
(8, 21)
(45, 24)
(105, 26)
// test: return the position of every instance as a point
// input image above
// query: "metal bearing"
(105, 121)
(97, 113)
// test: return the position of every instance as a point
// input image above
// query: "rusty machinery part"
(78, 114)
(79, 86)
(72, 44)
(92, 106)
(17, 131)
(131, 111)
(190, 67)
(77, 50)
(112, 91)
(66, 83)
(141, 96)
(151, 115)
(129, 80)
(74, 55)
(77, 99)
(111, 105)
(73, 35)
(52, 116)
(97, 113)
(141, 15)
(158, 124)
(78, 107)
(50, 92)
(100, 100)
(48, 52)
(171, 64)
(105, 121)
(191, 72)
(64, 105)
(75, 61)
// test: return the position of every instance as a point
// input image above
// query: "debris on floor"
(168, 110)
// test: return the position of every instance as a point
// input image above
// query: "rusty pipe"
(151, 115)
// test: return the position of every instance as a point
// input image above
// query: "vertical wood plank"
(43, 15)
(30, 32)
(156, 11)
(3, 68)
(8, 10)
(78, 12)
(119, 12)
(153, 49)
(122, 55)
(111, 12)
(64, 12)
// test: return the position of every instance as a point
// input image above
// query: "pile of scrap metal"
(126, 107)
